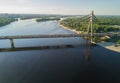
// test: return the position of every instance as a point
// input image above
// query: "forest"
(103, 24)
(5, 21)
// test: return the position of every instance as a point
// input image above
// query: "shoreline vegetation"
(6, 18)
(6, 21)
(103, 26)
(108, 45)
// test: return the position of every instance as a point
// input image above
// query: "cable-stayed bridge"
(91, 19)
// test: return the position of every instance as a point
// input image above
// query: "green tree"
(118, 42)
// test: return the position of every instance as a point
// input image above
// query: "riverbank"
(73, 30)
(107, 45)
(110, 46)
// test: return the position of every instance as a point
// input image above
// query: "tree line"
(104, 24)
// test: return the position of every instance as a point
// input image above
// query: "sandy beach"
(110, 46)
(73, 30)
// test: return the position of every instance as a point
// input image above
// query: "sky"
(65, 7)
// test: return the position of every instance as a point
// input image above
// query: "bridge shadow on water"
(35, 48)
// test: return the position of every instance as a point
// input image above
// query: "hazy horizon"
(61, 7)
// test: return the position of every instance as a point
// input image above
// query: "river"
(80, 64)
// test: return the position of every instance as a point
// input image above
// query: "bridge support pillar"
(12, 43)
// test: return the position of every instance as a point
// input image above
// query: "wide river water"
(81, 64)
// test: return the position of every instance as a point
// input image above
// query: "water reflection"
(87, 51)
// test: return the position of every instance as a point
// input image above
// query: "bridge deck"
(11, 38)
(50, 36)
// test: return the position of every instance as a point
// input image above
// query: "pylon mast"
(90, 25)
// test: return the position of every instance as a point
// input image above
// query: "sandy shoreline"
(110, 46)
(107, 45)
(73, 30)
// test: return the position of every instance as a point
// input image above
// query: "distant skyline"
(66, 7)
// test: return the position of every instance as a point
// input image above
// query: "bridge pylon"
(90, 26)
